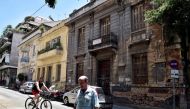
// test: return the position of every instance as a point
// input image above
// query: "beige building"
(52, 55)
(28, 50)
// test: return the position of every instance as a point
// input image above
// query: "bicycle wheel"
(46, 104)
(29, 103)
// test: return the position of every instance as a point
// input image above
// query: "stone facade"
(130, 63)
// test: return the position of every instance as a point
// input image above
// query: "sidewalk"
(130, 106)
(121, 107)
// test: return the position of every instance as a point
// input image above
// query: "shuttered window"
(140, 68)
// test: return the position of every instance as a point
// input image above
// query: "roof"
(34, 23)
(52, 23)
(37, 31)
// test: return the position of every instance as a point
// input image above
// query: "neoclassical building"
(109, 41)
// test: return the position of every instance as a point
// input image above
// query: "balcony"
(107, 42)
(24, 59)
(140, 36)
(5, 46)
(49, 52)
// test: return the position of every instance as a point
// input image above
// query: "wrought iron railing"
(110, 39)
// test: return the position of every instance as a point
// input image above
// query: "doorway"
(103, 75)
(49, 71)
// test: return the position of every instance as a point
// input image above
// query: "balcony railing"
(140, 36)
(25, 59)
(49, 52)
(105, 41)
(55, 46)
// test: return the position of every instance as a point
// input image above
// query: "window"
(80, 70)
(138, 17)
(49, 72)
(48, 44)
(58, 72)
(139, 68)
(53, 42)
(105, 26)
(38, 75)
(81, 37)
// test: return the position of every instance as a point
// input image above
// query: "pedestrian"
(87, 97)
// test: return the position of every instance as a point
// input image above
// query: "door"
(49, 75)
(103, 75)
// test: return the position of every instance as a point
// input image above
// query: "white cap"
(83, 78)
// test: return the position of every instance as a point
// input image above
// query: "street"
(10, 99)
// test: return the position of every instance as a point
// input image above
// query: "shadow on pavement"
(69, 105)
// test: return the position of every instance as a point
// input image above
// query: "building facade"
(28, 50)
(52, 56)
(110, 43)
(9, 57)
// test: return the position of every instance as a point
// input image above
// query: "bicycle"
(45, 104)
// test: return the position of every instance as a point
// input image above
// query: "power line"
(39, 9)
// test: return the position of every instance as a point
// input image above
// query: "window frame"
(105, 26)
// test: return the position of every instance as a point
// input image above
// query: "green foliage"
(28, 18)
(51, 3)
(174, 15)
(171, 12)
(7, 29)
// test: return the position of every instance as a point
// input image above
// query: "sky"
(13, 12)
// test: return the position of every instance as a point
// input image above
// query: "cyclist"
(37, 88)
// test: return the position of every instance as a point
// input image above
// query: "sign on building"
(175, 74)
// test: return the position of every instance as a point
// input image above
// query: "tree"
(51, 3)
(29, 18)
(8, 29)
(174, 15)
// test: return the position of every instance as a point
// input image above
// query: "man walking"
(87, 98)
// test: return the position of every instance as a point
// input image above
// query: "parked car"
(26, 87)
(56, 94)
(105, 101)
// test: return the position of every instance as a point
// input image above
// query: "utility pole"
(174, 75)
